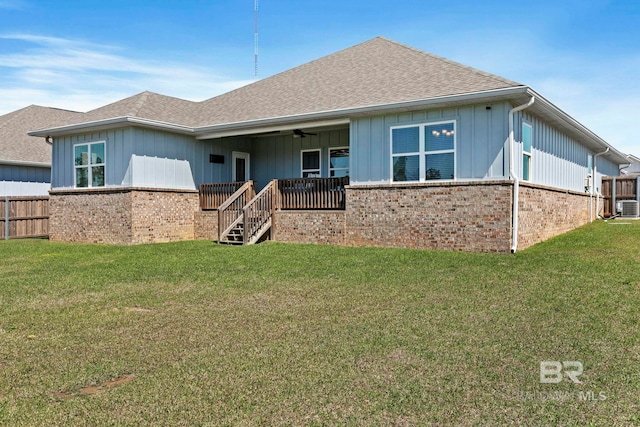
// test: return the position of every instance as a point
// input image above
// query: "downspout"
(595, 177)
(512, 174)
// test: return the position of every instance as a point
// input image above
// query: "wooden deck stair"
(243, 219)
(235, 236)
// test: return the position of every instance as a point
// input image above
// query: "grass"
(198, 334)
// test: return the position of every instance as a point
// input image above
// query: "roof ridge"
(16, 114)
(304, 64)
(451, 62)
(140, 103)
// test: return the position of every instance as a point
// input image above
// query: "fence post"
(638, 189)
(6, 218)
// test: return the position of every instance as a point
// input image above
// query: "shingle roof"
(376, 72)
(16, 145)
(147, 105)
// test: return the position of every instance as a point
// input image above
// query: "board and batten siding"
(481, 135)
(278, 157)
(158, 158)
(25, 173)
(557, 160)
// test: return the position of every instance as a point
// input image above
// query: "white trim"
(422, 152)
(89, 165)
(302, 170)
(529, 154)
(348, 168)
(247, 167)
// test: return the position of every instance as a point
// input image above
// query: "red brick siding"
(546, 212)
(453, 216)
(324, 227)
(122, 216)
(206, 225)
(159, 216)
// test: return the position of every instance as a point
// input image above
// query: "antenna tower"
(255, 38)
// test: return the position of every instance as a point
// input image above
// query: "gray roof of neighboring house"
(17, 146)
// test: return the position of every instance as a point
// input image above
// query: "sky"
(582, 55)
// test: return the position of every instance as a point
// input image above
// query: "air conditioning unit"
(628, 208)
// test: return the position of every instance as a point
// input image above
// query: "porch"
(247, 217)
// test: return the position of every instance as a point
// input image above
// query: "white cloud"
(81, 76)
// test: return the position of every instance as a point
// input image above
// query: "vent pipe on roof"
(512, 174)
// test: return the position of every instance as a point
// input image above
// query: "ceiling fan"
(299, 133)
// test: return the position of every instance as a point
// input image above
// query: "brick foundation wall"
(122, 216)
(206, 225)
(462, 216)
(163, 216)
(545, 212)
(323, 227)
(96, 217)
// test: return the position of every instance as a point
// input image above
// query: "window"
(338, 162)
(589, 164)
(310, 163)
(89, 164)
(526, 151)
(423, 152)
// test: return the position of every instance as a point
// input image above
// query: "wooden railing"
(258, 213)
(615, 189)
(312, 193)
(214, 195)
(22, 217)
(230, 212)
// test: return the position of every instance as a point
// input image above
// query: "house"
(25, 161)
(631, 166)
(379, 144)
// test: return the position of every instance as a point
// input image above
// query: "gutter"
(25, 163)
(112, 123)
(595, 176)
(512, 174)
(207, 132)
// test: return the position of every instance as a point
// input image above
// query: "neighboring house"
(437, 155)
(631, 167)
(25, 161)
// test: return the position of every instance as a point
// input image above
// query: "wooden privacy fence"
(22, 217)
(615, 189)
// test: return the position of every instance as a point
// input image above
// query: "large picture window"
(527, 136)
(339, 162)
(424, 152)
(89, 164)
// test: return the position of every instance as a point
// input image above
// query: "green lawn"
(279, 334)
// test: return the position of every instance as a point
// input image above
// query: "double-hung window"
(89, 164)
(527, 136)
(424, 152)
(339, 162)
(310, 163)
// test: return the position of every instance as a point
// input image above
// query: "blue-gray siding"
(556, 159)
(279, 157)
(123, 144)
(25, 173)
(480, 141)
(142, 157)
